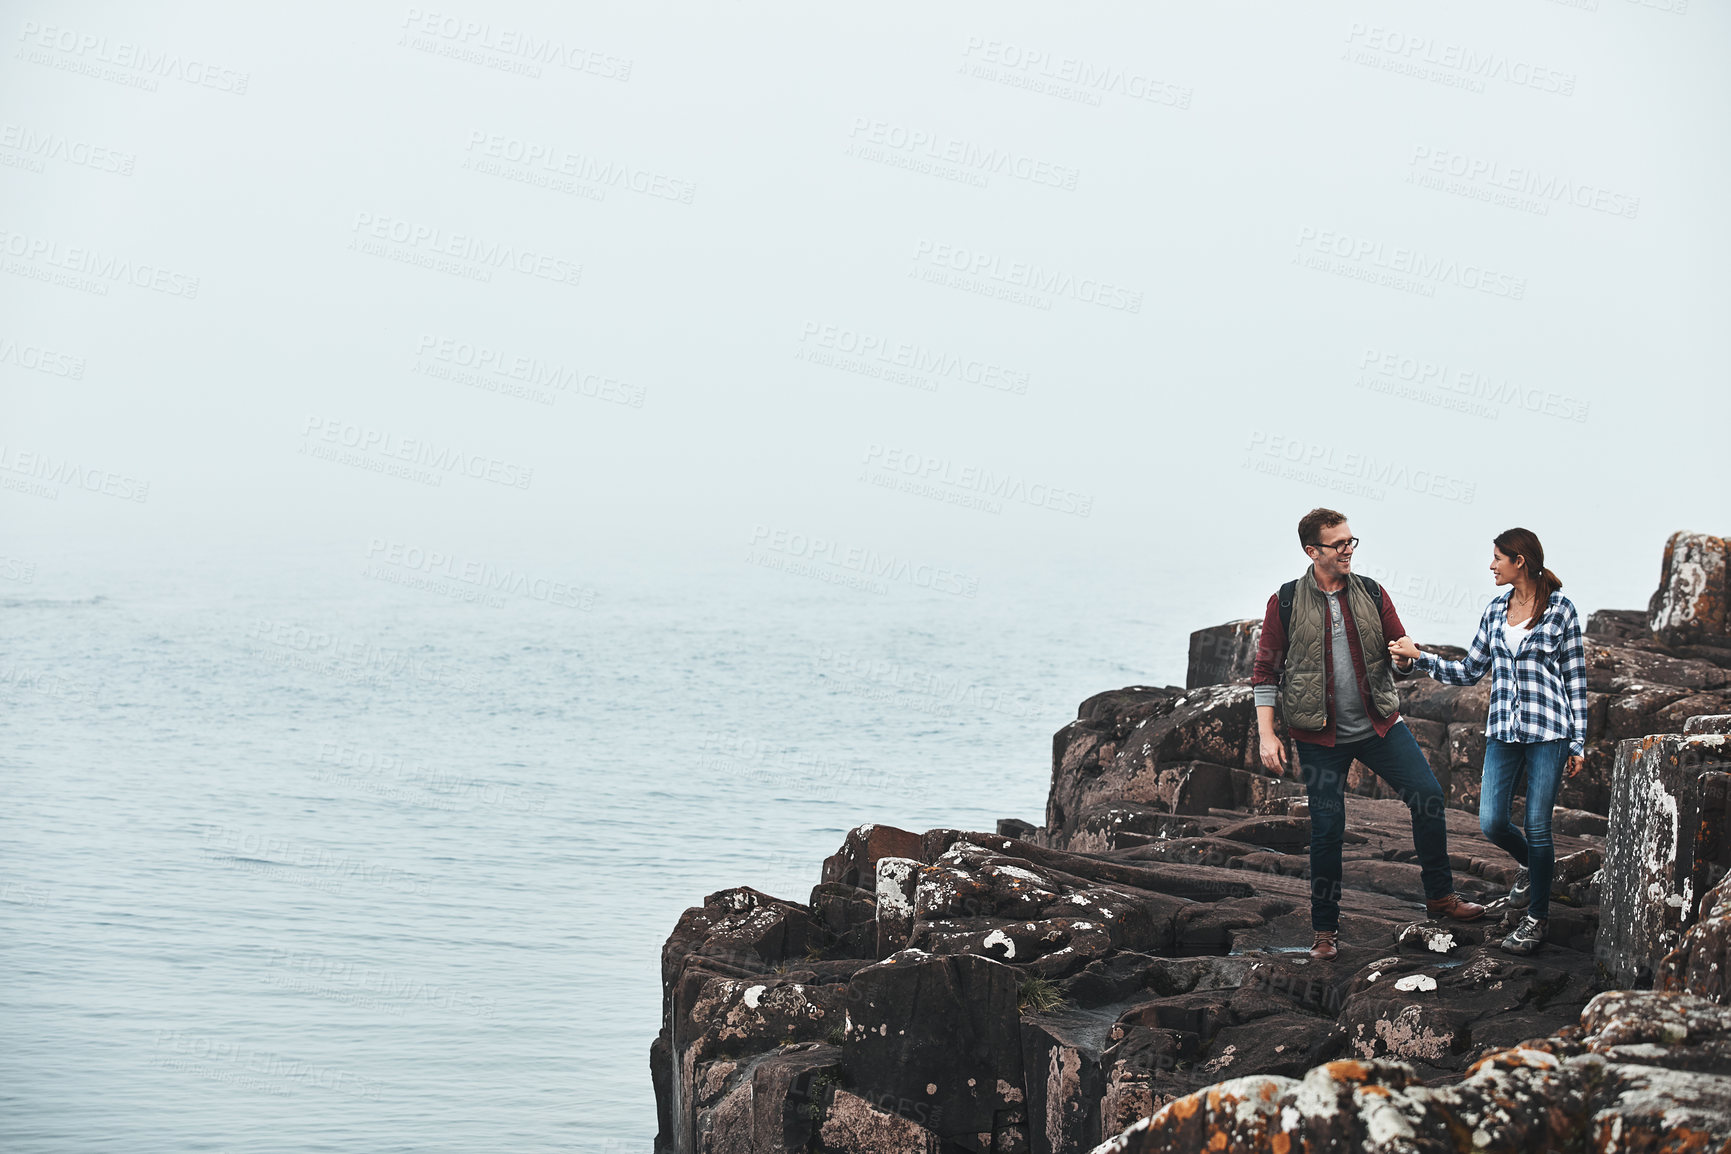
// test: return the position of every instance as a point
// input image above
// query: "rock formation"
(1643, 1070)
(1136, 967)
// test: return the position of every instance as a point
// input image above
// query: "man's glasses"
(1338, 546)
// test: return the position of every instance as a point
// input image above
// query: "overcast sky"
(984, 284)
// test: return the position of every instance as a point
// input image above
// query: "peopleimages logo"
(1408, 263)
(385, 445)
(867, 347)
(39, 146)
(1310, 460)
(928, 471)
(501, 370)
(1422, 55)
(1470, 385)
(87, 50)
(103, 266)
(556, 161)
(1068, 76)
(1494, 175)
(919, 148)
(482, 575)
(74, 474)
(40, 359)
(1021, 276)
(379, 235)
(867, 564)
(517, 44)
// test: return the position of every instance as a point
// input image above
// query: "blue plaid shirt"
(1538, 693)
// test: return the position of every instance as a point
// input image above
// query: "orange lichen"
(1185, 1107)
(1348, 1070)
(1281, 1143)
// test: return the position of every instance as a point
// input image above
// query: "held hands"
(1404, 650)
(1574, 765)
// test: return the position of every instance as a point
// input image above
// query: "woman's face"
(1503, 567)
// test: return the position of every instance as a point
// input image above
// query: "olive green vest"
(1304, 685)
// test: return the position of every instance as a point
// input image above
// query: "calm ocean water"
(300, 860)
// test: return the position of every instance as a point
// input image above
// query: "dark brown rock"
(766, 1104)
(856, 1125)
(943, 1033)
(1692, 602)
(1620, 669)
(855, 863)
(1287, 834)
(1223, 654)
(1632, 714)
(1701, 963)
(1613, 625)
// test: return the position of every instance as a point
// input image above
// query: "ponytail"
(1549, 582)
(1524, 543)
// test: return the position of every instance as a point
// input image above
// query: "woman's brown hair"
(1524, 544)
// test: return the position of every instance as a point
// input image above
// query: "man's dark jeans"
(1397, 760)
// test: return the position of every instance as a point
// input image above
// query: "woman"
(1529, 640)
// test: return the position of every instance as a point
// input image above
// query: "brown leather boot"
(1326, 947)
(1453, 906)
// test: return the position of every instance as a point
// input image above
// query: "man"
(1323, 661)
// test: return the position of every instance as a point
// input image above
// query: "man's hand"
(1273, 753)
(1574, 766)
(1404, 648)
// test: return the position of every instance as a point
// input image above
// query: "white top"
(1514, 634)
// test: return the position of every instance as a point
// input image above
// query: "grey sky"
(1124, 255)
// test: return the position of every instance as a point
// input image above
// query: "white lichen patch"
(1415, 982)
(1408, 1036)
(1318, 1095)
(1442, 943)
(1000, 938)
(1008, 1093)
(893, 876)
(752, 996)
(1019, 872)
(1385, 1123)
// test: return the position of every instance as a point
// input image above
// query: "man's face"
(1331, 561)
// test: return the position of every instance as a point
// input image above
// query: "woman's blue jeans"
(1543, 761)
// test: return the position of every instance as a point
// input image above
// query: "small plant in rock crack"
(836, 1036)
(819, 1093)
(1039, 995)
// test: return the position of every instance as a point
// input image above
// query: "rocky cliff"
(1136, 966)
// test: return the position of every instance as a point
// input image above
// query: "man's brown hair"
(1311, 525)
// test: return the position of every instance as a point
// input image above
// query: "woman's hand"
(1404, 649)
(1574, 765)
